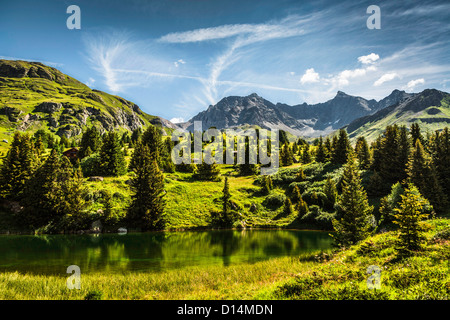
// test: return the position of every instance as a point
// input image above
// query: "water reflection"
(152, 252)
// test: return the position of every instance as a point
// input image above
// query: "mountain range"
(35, 96)
(310, 120)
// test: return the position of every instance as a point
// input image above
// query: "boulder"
(95, 178)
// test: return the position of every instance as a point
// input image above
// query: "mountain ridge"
(302, 119)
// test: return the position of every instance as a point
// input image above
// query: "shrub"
(274, 200)
(94, 295)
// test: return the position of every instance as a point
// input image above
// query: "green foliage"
(341, 148)
(90, 142)
(17, 167)
(274, 200)
(354, 212)
(422, 174)
(90, 165)
(286, 156)
(54, 195)
(408, 217)
(331, 194)
(112, 160)
(147, 207)
(207, 172)
(363, 153)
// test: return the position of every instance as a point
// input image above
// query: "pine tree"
(207, 172)
(363, 153)
(296, 194)
(416, 134)
(287, 207)
(330, 191)
(90, 142)
(54, 195)
(286, 155)
(306, 154)
(422, 174)
(266, 185)
(17, 167)
(352, 223)
(112, 160)
(341, 148)
(153, 139)
(226, 204)
(300, 175)
(328, 149)
(441, 158)
(301, 208)
(408, 217)
(322, 153)
(247, 168)
(147, 202)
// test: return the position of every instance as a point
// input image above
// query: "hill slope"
(430, 109)
(35, 96)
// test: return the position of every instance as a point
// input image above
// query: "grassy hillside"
(430, 109)
(34, 96)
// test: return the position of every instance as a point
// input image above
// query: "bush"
(90, 166)
(94, 295)
(274, 200)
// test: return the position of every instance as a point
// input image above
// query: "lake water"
(152, 252)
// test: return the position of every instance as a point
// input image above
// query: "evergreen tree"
(207, 172)
(322, 152)
(247, 168)
(416, 134)
(300, 175)
(226, 204)
(441, 158)
(286, 156)
(408, 217)
(422, 174)
(147, 206)
(90, 142)
(352, 223)
(363, 153)
(330, 191)
(392, 158)
(328, 149)
(287, 207)
(153, 139)
(296, 194)
(341, 148)
(267, 184)
(112, 160)
(301, 208)
(17, 167)
(54, 195)
(306, 154)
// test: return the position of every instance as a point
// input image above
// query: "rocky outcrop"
(48, 107)
(11, 112)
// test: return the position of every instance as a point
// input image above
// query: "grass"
(333, 274)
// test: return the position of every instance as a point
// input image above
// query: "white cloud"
(178, 62)
(369, 59)
(310, 76)
(413, 83)
(384, 78)
(90, 82)
(177, 120)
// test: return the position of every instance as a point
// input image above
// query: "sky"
(174, 58)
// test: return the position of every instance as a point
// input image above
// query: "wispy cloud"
(384, 78)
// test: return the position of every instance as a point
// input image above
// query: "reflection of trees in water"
(53, 254)
(228, 241)
(152, 251)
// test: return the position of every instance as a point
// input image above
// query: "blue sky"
(174, 58)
